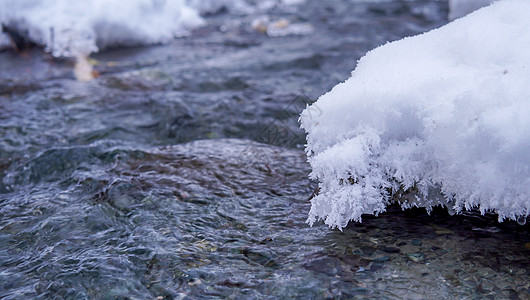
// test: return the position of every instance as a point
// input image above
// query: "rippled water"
(179, 173)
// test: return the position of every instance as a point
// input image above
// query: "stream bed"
(179, 173)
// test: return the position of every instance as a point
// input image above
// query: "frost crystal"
(439, 118)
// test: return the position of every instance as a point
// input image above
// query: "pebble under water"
(179, 174)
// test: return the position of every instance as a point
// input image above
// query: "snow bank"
(70, 28)
(77, 28)
(442, 118)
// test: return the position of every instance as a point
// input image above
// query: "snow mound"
(78, 28)
(439, 118)
(72, 28)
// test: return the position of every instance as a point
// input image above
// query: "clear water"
(179, 173)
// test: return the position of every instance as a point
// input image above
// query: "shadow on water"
(178, 173)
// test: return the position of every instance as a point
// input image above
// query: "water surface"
(179, 173)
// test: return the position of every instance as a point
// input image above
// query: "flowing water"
(179, 174)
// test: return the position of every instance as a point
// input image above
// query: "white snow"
(443, 116)
(78, 28)
(71, 28)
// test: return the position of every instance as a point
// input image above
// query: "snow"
(439, 118)
(78, 28)
(71, 28)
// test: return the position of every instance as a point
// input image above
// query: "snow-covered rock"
(71, 28)
(442, 118)
(78, 28)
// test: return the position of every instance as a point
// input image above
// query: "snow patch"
(71, 28)
(78, 28)
(439, 118)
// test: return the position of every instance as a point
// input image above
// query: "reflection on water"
(102, 196)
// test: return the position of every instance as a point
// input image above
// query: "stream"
(179, 173)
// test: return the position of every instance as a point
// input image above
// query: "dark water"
(179, 174)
